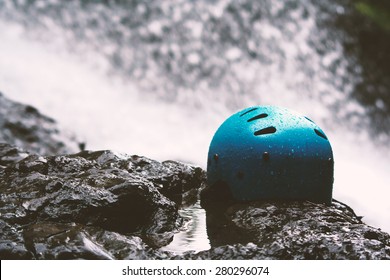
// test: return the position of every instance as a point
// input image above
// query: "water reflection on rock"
(192, 235)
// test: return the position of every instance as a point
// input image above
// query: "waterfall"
(157, 79)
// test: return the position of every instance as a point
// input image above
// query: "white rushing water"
(111, 113)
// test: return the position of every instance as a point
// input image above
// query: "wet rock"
(10, 154)
(183, 189)
(288, 230)
(25, 127)
(12, 245)
(303, 230)
(54, 203)
(228, 252)
(48, 240)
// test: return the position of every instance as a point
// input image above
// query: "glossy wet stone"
(104, 190)
(25, 127)
(289, 230)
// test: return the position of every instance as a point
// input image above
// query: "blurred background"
(157, 78)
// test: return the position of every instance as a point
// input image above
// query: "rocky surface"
(290, 230)
(97, 205)
(25, 127)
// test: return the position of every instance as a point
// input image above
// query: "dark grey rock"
(12, 245)
(51, 240)
(183, 189)
(48, 240)
(44, 196)
(228, 252)
(10, 154)
(25, 127)
(288, 230)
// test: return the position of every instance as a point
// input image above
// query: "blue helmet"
(269, 152)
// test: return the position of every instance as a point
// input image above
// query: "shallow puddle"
(193, 236)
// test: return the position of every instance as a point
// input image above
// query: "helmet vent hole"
(267, 130)
(319, 133)
(309, 119)
(261, 116)
(251, 110)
